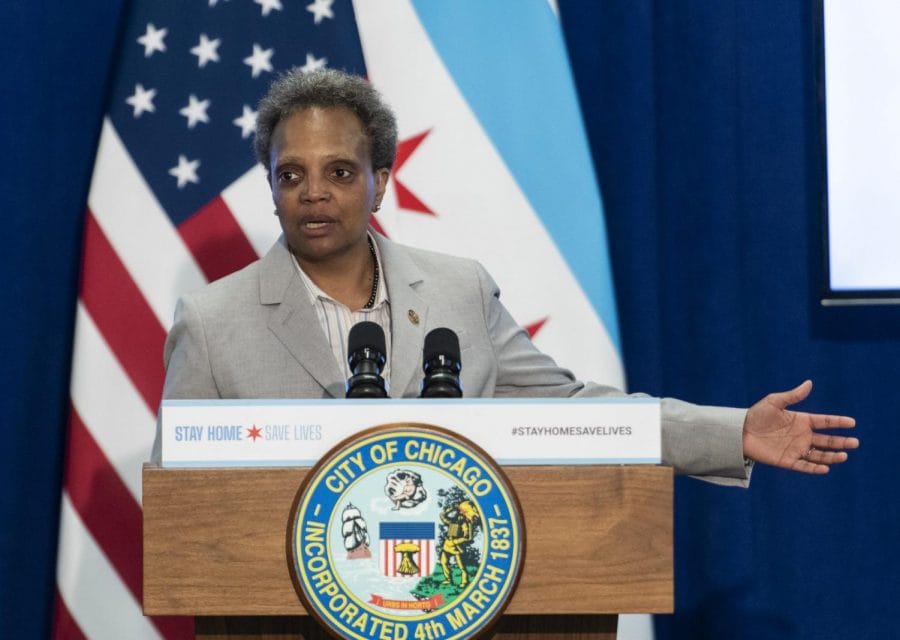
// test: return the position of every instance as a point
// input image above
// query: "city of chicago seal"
(405, 532)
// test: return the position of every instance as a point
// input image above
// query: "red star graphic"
(254, 432)
(534, 327)
(406, 199)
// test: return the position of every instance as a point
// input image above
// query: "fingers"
(805, 466)
(824, 452)
(820, 421)
(821, 441)
(818, 457)
(784, 399)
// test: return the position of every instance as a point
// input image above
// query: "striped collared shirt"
(336, 318)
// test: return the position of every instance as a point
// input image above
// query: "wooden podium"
(598, 543)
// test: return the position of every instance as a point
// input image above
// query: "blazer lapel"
(409, 314)
(293, 319)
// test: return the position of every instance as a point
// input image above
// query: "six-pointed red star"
(254, 432)
(406, 199)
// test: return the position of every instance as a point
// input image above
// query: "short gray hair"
(296, 90)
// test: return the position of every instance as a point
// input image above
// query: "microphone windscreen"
(366, 335)
(441, 342)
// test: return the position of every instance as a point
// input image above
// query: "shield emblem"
(407, 548)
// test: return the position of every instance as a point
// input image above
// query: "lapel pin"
(413, 316)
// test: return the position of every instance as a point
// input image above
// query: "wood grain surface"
(599, 540)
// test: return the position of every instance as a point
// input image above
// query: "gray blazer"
(255, 334)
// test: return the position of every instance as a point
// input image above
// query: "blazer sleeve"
(186, 357)
(697, 440)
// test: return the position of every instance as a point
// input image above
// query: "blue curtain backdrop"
(54, 62)
(702, 118)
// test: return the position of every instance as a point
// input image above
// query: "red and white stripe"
(135, 265)
(426, 558)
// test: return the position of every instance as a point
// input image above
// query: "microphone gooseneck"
(366, 347)
(441, 364)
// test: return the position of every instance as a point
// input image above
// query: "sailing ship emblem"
(355, 532)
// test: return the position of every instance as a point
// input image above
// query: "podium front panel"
(598, 540)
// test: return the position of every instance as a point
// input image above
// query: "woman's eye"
(342, 173)
(288, 176)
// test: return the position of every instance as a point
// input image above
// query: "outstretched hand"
(779, 437)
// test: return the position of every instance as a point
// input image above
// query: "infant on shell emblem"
(404, 488)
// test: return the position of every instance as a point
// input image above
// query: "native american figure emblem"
(460, 520)
(405, 489)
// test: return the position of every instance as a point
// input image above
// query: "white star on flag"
(153, 40)
(313, 63)
(142, 100)
(260, 60)
(206, 50)
(195, 111)
(186, 171)
(247, 122)
(321, 9)
(268, 5)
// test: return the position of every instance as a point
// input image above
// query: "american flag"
(177, 200)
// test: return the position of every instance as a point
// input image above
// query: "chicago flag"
(493, 164)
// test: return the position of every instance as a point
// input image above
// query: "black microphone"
(441, 363)
(366, 348)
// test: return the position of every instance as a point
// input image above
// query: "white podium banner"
(266, 433)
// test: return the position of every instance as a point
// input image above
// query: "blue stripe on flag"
(499, 50)
(405, 530)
